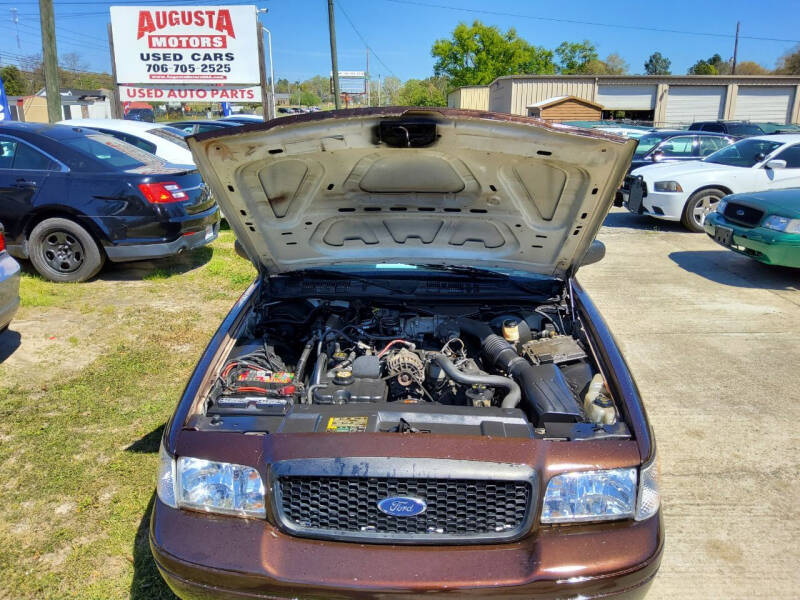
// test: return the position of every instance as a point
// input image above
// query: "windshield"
(111, 151)
(647, 143)
(744, 153)
(176, 136)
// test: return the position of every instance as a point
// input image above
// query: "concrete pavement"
(713, 340)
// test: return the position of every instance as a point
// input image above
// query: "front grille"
(458, 509)
(746, 215)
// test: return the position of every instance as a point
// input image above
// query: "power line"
(69, 38)
(375, 54)
(19, 59)
(592, 23)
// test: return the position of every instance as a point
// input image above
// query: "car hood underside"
(399, 185)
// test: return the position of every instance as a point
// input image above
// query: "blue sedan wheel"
(61, 250)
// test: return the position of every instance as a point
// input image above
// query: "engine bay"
(320, 365)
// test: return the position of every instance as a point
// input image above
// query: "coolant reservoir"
(596, 405)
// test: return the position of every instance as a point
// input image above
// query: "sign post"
(262, 70)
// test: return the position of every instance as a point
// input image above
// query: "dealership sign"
(133, 93)
(185, 44)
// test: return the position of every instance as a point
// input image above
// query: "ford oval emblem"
(402, 506)
(740, 213)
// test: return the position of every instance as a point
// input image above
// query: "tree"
(789, 63)
(421, 92)
(615, 64)
(657, 64)
(72, 61)
(479, 54)
(723, 67)
(701, 67)
(594, 67)
(748, 67)
(304, 98)
(574, 57)
(714, 65)
(391, 90)
(13, 81)
(318, 85)
(282, 86)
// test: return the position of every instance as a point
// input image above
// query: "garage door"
(762, 103)
(626, 97)
(687, 104)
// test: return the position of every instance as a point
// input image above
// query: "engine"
(329, 353)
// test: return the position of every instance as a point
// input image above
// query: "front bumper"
(187, 241)
(762, 244)
(661, 205)
(9, 288)
(208, 556)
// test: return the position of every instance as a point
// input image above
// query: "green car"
(762, 225)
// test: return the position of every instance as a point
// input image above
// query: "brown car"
(415, 395)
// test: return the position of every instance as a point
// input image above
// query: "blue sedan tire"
(63, 251)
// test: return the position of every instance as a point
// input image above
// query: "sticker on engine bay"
(347, 424)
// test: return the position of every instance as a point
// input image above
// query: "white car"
(165, 142)
(688, 191)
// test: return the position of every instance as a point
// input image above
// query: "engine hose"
(319, 368)
(512, 397)
(300, 370)
(543, 387)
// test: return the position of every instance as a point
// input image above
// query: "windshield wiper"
(324, 273)
(464, 270)
(487, 274)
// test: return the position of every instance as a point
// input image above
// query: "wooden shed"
(565, 108)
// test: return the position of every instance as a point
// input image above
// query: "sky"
(401, 32)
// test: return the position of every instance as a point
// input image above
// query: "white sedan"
(688, 191)
(162, 140)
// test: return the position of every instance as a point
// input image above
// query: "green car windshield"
(744, 153)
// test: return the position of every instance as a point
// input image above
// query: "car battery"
(256, 391)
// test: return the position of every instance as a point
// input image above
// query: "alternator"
(406, 366)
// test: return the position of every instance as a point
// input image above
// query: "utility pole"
(735, 49)
(334, 61)
(379, 89)
(50, 58)
(368, 82)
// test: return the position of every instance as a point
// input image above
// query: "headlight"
(721, 206)
(590, 496)
(784, 224)
(667, 186)
(210, 486)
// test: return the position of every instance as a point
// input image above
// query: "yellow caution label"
(346, 424)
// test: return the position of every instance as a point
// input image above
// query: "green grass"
(78, 453)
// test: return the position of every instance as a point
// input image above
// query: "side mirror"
(775, 163)
(595, 253)
(239, 249)
(658, 155)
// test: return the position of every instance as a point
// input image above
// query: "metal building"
(664, 100)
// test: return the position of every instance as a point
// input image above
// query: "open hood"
(401, 185)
